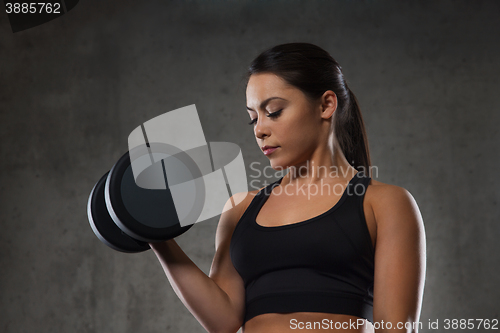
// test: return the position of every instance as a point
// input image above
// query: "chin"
(278, 165)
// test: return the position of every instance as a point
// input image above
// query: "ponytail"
(351, 134)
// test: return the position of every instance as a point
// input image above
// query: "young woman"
(325, 248)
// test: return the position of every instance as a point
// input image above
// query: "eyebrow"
(265, 102)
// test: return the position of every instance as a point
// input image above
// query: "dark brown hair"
(314, 71)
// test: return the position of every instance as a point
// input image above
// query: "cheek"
(301, 131)
(297, 142)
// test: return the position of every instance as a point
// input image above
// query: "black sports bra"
(323, 264)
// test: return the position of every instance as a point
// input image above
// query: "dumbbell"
(127, 217)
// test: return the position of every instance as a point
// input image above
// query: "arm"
(399, 259)
(217, 300)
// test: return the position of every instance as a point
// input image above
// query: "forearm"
(210, 304)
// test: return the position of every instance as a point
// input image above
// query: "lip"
(269, 149)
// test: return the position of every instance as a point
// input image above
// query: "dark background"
(426, 74)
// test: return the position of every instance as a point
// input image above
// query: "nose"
(261, 128)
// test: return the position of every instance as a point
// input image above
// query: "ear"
(328, 104)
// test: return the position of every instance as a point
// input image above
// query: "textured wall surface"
(426, 74)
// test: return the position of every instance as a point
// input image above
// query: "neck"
(324, 166)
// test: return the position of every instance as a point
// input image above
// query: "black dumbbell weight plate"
(148, 215)
(103, 226)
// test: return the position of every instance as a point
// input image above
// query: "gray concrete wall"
(426, 74)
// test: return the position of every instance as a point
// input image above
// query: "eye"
(271, 115)
(275, 114)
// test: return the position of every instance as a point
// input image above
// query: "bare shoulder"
(238, 203)
(233, 210)
(380, 193)
(391, 203)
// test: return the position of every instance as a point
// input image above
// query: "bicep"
(222, 271)
(399, 257)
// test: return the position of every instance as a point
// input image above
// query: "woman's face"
(284, 119)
